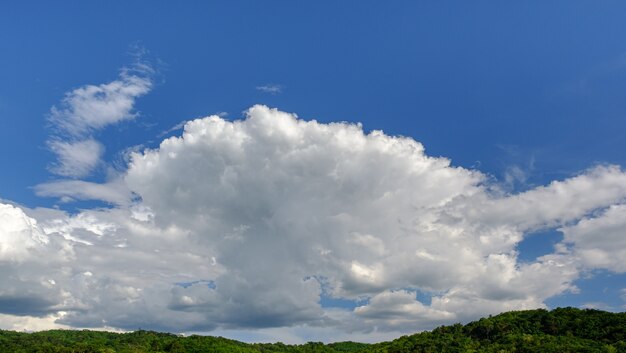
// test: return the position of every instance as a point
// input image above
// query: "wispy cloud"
(173, 128)
(90, 108)
(87, 109)
(75, 122)
(519, 167)
(270, 88)
(114, 192)
(75, 159)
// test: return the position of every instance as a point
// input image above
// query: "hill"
(561, 330)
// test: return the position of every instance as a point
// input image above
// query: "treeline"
(560, 331)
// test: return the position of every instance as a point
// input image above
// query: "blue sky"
(523, 94)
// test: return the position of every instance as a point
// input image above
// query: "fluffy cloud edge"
(290, 210)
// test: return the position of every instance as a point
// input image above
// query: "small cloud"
(91, 108)
(75, 159)
(515, 175)
(88, 109)
(270, 88)
(519, 167)
(113, 192)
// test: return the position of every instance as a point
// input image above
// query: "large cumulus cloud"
(254, 223)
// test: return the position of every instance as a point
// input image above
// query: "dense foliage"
(561, 330)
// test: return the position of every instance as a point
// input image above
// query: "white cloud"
(28, 256)
(82, 113)
(88, 109)
(245, 225)
(399, 309)
(114, 192)
(600, 242)
(75, 159)
(560, 202)
(370, 213)
(30, 323)
(20, 234)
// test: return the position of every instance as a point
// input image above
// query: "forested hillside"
(561, 330)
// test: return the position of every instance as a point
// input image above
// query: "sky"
(309, 171)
